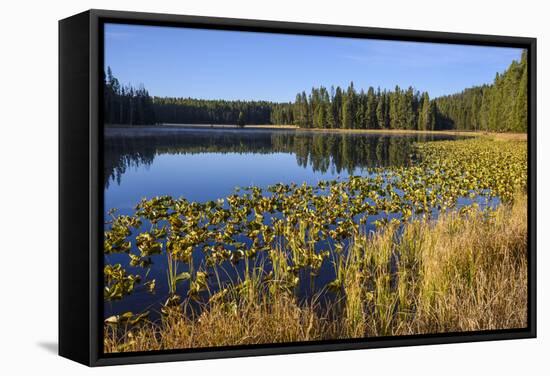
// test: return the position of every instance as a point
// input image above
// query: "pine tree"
(394, 111)
(337, 107)
(425, 113)
(241, 120)
(348, 108)
(371, 121)
(408, 118)
(381, 110)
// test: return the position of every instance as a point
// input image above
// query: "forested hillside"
(500, 106)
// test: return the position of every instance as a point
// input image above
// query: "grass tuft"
(458, 273)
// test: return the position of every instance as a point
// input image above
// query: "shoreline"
(494, 135)
(202, 126)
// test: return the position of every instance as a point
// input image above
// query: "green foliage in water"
(300, 227)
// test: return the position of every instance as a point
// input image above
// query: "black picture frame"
(81, 201)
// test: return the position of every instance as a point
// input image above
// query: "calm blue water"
(208, 164)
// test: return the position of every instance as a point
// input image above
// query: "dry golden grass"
(492, 135)
(456, 274)
(459, 273)
(506, 136)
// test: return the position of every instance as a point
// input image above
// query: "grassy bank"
(460, 273)
(491, 135)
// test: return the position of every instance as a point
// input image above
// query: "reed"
(465, 271)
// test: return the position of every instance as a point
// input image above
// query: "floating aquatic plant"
(300, 227)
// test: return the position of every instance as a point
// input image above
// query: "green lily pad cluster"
(299, 227)
(117, 282)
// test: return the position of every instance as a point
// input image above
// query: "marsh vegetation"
(432, 242)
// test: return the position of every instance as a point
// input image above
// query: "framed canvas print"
(239, 187)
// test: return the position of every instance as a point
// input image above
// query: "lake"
(208, 164)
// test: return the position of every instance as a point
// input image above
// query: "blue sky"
(211, 64)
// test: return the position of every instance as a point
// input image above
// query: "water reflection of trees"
(346, 152)
(322, 151)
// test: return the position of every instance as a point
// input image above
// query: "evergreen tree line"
(500, 106)
(126, 104)
(203, 111)
(134, 106)
(349, 109)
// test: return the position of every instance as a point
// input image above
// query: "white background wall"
(28, 185)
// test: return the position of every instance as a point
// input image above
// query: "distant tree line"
(203, 111)
(500, 106)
